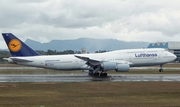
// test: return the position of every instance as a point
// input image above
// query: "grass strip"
(90, 94)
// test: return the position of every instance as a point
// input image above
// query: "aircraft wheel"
(160, 70)
(96, 74)
(103, 74)
(90, 73)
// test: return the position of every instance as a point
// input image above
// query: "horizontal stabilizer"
(20, 59)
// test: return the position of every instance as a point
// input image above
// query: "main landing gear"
(97, 74)
(161, 70)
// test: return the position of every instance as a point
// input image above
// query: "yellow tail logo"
(14, 45)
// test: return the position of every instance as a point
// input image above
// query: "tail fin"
(17, 47)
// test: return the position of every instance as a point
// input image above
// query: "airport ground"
(173, 68)
(90, 94)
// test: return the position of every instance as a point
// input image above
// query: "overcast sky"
(127, 20)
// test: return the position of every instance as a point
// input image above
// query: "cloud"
(45, 20)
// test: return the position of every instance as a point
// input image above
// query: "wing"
(103, 65)
(95, 62)
(90, 61)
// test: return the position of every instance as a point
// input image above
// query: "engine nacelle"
(108, 66)
(122, 67)
(114, 66)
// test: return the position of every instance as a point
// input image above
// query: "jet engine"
(122, 68)
(108, 66)
(114, 66)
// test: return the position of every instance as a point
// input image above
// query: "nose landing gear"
(161, 70)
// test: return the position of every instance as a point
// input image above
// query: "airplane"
(97, 64)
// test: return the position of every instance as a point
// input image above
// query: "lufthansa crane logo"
(14, 45)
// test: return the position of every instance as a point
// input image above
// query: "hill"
(90, 44)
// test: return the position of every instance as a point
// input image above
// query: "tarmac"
(86, 78)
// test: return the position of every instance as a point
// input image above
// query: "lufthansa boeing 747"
(97, 64)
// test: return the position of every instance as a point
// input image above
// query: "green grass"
(90, 94)
(147, 71)
(37, 71)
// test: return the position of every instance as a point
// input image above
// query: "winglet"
(17, 47)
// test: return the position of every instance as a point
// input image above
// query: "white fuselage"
(134, 57)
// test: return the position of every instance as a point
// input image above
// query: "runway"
(86, 78)
(135, 68)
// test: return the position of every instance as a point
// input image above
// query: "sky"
(126, 20)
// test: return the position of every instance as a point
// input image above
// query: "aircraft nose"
(174, 56)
